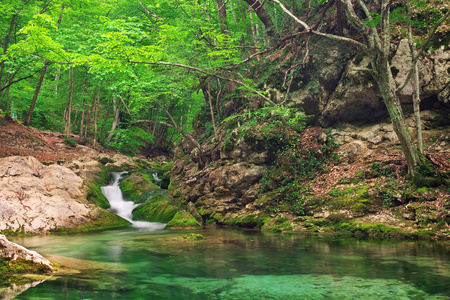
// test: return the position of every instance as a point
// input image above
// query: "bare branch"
(306, 26)
(150, 13)
(162, 63)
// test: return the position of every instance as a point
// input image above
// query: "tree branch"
(184, 133)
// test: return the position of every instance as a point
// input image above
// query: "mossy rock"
(371, 229)
(249, 221)
(183, 219)
(354, 199)
(95, 195)
(22, 266)
(94, 192)
(278, 224)
(155, 211)
(136, 184)
(191, 237)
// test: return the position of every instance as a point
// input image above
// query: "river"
(136, 263)
(145, 261)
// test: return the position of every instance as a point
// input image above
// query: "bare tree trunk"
(69, 110)
(212, 110)
(416, 83)
(115, 121)
(35, 96)
(83, 109)
(97, 103)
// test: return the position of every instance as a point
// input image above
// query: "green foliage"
(70, 142)
(128, 141)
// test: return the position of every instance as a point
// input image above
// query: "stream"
(145, 261)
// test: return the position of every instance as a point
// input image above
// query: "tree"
(375, 32)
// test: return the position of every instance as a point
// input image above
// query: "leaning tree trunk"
(35, 96)
(387, 88)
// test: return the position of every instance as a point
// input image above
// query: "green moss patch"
(191, 237)
(136, 184)
(158, 210)
(21, 266)
(375, 230)
(250, 220)
(183, 219)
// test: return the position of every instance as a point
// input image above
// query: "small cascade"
(122, 207)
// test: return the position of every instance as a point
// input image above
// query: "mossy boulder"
(157, 209)
(94, 192)
(250, 220)
(183, 219)
(137, 184)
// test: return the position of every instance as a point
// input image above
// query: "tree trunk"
(212, 110)
(115, 121)
(222, 16)
(69, 110)
(35, 96)
(6, 43)
(262, 15)
(97, 103)
(387, 88)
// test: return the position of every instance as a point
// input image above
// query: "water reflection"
(244, 265)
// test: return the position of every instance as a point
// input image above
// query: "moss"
(10, 232)
(353, 198)
(183, 219)
(191, 237)
(377, 229)
(250, 221)
(21, 266)
(95, 195)
(278, 224)
(173, 185)
(136, 184)
(165, 167)
(155, 211)
(94, 192)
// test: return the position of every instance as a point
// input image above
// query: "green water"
(234, 264)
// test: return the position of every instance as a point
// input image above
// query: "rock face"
(36, 198)
(340, 83)
(13, 252)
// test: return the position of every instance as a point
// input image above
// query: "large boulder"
(36, 198)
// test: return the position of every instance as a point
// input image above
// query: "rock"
(352, 152)
(15, 253)
(183, 219)
(35, 198)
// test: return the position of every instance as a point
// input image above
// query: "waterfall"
(122, 207)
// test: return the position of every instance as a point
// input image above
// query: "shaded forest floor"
(46, 146)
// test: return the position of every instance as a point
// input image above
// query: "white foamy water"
(122, 207)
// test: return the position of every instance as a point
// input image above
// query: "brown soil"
(17, 139)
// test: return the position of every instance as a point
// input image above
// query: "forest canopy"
(137, 74)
